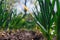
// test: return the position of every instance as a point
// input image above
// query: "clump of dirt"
(21, 35)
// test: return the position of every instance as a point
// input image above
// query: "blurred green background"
(47, 20)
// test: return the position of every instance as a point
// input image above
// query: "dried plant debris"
(21, 35)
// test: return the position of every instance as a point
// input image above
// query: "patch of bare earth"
(21, 35)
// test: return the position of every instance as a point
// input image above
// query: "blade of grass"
(58, 20)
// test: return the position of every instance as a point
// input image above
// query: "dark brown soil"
(21, 35)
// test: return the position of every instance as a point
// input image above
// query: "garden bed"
(21, 35)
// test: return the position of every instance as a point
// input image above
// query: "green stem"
(58, 20)
(48, 35)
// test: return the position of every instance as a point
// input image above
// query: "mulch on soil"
(21, 35)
